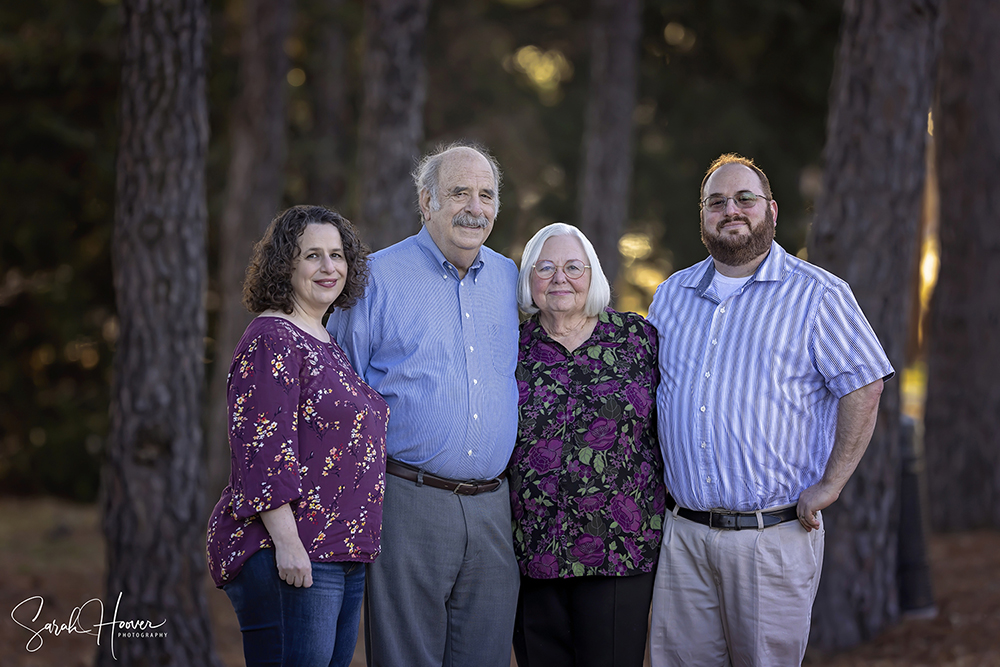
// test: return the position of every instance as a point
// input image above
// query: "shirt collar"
(426, 242)
(773, 268)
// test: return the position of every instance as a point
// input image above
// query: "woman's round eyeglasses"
(573, 269)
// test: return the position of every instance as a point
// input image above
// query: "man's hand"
(817, 497)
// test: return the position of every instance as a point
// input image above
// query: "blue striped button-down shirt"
(441, 350)
(749, 386)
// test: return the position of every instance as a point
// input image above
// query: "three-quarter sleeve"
(263, 398)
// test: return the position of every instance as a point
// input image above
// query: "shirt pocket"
(503, 343)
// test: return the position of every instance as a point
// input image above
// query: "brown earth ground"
(54, 549)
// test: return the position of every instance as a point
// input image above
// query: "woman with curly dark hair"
(290, 537)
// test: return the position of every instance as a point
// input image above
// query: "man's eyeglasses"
(743, 199)
(573, 269)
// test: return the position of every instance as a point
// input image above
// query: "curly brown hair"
(268, 285)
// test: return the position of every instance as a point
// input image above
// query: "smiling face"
(560, 294)
(320, 271)
(466, 206)
(737, 237)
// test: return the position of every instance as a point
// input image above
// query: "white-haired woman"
(586, 477)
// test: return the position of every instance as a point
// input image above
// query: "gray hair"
(426, 175)
(600, 289)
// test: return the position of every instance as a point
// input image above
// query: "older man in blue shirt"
(436, 335)
(770, 378)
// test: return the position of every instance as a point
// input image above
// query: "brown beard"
(737, 251)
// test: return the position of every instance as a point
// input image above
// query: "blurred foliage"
(58, 83)
(717, 76)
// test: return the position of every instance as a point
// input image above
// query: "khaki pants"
(734, 597)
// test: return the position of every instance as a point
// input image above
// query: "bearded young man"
(770, 384)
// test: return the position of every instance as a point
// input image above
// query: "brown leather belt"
(468, 488)
(734, 520)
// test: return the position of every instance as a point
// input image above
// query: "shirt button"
(470, 452)
(475, 416)
(703, 445)
(461, 283)
(722, 310)
(714, 341)
(472, 349)
(466, 314)
(708, 479)
(703, 408)
(475, 381)
(708, 374)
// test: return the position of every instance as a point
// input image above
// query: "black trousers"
(583, 621)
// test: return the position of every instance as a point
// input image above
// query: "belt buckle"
(473, 488)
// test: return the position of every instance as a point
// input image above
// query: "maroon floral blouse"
(586, 476)
(303, 429)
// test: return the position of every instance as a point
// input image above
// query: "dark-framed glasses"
(743, 199)
(573, 269)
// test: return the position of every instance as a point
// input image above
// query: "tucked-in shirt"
(441, 350)
(304, 430)
(586, 485)
(750, 385)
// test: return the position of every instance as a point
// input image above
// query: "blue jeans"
(297, 627)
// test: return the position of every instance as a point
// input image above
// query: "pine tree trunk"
(963, 393)
(333, 122)
(152, 482)
(253, 195)
(867, 232)
(395, 80)
(606, 178)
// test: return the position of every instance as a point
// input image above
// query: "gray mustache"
(467, 220)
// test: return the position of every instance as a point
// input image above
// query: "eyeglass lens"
(572, 269)
(741, 199)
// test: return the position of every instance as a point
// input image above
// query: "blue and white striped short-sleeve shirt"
(749, 386)
(441, 350)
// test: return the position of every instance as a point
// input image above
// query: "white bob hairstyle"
(600, 290)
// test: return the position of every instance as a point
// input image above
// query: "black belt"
(468, 488)
(734, 520)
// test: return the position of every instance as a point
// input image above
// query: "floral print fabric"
(303, 429)
(586, 477)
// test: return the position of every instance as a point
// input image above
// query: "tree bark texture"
(867, 231)
(152, 479)
(606, 177)
(395, 80)
(254, 186)
(334, 120)
(962, 417)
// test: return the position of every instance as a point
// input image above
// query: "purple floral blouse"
(303, 429)
(586, 476)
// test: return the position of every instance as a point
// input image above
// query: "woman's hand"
(294, 566)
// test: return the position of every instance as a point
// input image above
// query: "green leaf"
(656, 522)
(599, 464)
(578, 570)
(585, 455)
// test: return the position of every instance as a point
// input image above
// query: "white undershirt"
(724, 285)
